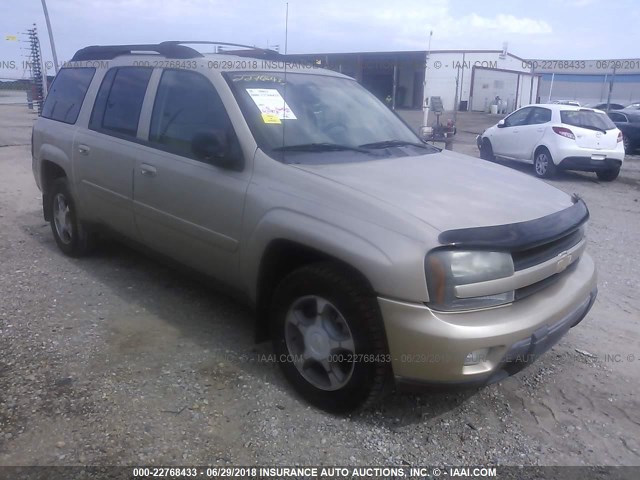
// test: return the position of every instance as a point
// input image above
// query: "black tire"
(356, 306)
(628, 146)
(486, 151)
(608, 175)
(72, 237)
(543, 165)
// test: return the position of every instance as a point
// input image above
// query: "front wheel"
(543, 164)
(628, 147)
(608, 175)
(486, 151)
(69, 233)
(328, 337)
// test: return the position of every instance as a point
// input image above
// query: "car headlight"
(446, 269)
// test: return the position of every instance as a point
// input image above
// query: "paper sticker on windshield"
(271, 104)
(270, 118)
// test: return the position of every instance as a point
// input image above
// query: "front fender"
(391, 262)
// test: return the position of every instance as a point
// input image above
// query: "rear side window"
(119, 101)
(540, 115)
(586, 119)
(67, 94)
(617, 117)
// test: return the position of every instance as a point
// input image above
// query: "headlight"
(447, 269)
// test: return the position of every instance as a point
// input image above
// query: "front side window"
(67, 94)
(518, 118)
(119, 101)
(187, 106)
(313, 116)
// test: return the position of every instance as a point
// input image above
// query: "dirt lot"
(117, 359)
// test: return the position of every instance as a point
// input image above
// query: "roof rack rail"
(250, 49)
(168, 49)
(108, 52)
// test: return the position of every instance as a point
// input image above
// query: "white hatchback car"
(553, 136)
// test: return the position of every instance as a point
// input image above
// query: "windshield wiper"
(319, 147)
(593, 127)
(393, 143)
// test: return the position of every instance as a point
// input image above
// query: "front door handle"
(148, 170)
(83, 149)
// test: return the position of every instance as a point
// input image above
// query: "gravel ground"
(117, 359)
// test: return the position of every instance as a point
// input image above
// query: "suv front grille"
(528, 258)
(534, 256)
(524, 292)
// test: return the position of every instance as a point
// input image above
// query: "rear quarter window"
(586, 119)
(67, 94)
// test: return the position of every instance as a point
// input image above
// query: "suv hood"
(447, 190)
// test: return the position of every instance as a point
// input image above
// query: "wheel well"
(538, 149)
(49, 172)
(280, 258)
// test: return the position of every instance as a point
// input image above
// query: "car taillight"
(565, 132)
(619, 137)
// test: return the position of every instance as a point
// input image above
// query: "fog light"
(476, 357)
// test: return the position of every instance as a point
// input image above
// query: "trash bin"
(494, 109)
(463, 106)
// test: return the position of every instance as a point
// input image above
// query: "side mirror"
(501, 124)
(212, 147)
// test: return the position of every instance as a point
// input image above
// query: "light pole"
(53, 45)
(425, 105)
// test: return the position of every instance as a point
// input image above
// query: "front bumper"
(429, 348)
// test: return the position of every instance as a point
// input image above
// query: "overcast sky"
(569, 29)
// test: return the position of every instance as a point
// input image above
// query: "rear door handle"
(83, 149)
(148, 170)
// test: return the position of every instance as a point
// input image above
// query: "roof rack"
(250, 50)
(169, 49)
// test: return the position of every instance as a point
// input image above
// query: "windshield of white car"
(589, 119)
(314, 115)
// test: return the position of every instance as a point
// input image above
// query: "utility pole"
(455, 100)
(51, 42)
(425, 105)
(613, 77)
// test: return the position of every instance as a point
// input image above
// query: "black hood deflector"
(520, 236)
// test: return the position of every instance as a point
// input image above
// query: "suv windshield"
(314, 114)
(587, 119)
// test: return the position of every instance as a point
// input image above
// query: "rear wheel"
(486, 151)
(328, 337)
(543, 164)
(628, 148)
(69, 233)
(608, 175)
